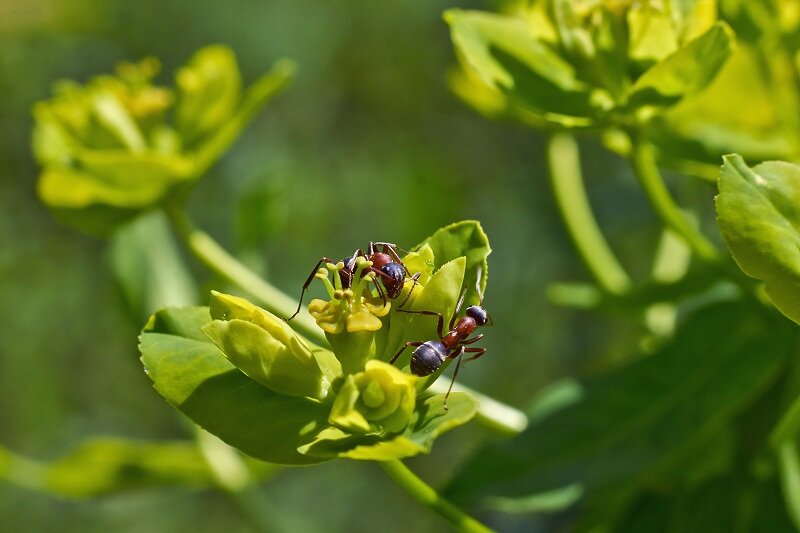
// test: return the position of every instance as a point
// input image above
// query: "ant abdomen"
(428, 358)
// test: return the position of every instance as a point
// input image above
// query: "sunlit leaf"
(758, 214)
(196, 378)
(507, 55)
(686, 72)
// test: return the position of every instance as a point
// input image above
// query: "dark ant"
(387, 266)
(430, 355)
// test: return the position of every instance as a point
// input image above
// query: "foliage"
(244, 375)
(121, 144)
(710, 400)
(688, 420)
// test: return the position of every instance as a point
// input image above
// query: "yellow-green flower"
(379, 399)
(120, 144)
(354, 309)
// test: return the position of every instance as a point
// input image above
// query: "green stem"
(644, 165)
(790, 479)
(424, 494)
(570, 195)
(230, 269)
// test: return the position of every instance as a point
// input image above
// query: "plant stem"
(423, 493)
(570, 195)
(790, 479)
(230, 269)
(644, 165)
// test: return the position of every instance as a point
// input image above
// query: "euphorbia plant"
(120, 146)
(244, 374)
(708, 409)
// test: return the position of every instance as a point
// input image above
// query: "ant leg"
(381, 292)
(473, 339)
(458, 307)
(477, 351)
(440, 323)
(406, 345)
(458, 355)
(415, 278)
(308, 282)
(391, 249)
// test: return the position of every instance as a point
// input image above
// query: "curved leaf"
(196, 378)
(758, 211)
(507, 55)
(465, 238)
(687, 71)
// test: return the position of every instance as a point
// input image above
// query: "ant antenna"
(478, 286)
(480, 296)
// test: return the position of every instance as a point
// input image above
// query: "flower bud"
(379, 399)
(267, 350)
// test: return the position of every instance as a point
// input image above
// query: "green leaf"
(196, 378)
(685, 72)
(758, 214)
(430, 420)
(645, 418)
(209, 91)
(507, 55)
(103, 466)
(465, 238)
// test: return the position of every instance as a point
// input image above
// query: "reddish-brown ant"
(386, 265)
(430, 355)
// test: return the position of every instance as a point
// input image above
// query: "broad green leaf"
(465, 238)
(109, 465)
(195, 377)
(685, 72)
(507, 55)
(429, 421)
(642, 419)
(104, 466)
(758, 211)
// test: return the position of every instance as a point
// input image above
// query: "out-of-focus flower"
(121, 144)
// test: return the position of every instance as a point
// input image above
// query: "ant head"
(349, 263)
(396, 278)
(478, 314)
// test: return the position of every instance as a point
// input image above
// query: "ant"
(386, 264)
(430, 355)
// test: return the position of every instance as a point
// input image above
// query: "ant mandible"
(387, 266)
(430, 355)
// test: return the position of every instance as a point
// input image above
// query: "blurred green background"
(368, 144)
